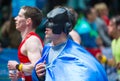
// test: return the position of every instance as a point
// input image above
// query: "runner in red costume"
(24, 59)
(29, 51)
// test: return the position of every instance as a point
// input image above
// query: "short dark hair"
(87, 11)
(34, 13)
(116, 20)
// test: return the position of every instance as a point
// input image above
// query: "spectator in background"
(114, 32)
(103, 11)
(86, 27)
(29, 51)
(10, 37)
(65, 59)
(104, 42)
(101, 24)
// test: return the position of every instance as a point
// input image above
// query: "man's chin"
(48, 38)
(18, 29)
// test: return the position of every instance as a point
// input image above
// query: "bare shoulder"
(74, 33)
(33, 41)
(75, 36)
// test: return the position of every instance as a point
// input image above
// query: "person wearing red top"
(29, 51)
(103, 12)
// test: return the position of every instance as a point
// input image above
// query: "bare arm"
(33, 49)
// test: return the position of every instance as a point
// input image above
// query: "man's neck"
(59, 41)
(25, 33)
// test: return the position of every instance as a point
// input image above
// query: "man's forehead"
(22, 11)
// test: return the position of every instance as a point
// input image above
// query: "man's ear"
(28, 21)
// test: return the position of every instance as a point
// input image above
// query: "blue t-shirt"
(55, 51)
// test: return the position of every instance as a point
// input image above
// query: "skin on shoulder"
(75, 36)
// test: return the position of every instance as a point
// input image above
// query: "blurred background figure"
(10, 37)
(102, 11)
(86, 27)
(114, 32)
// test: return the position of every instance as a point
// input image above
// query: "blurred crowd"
(91, 26)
